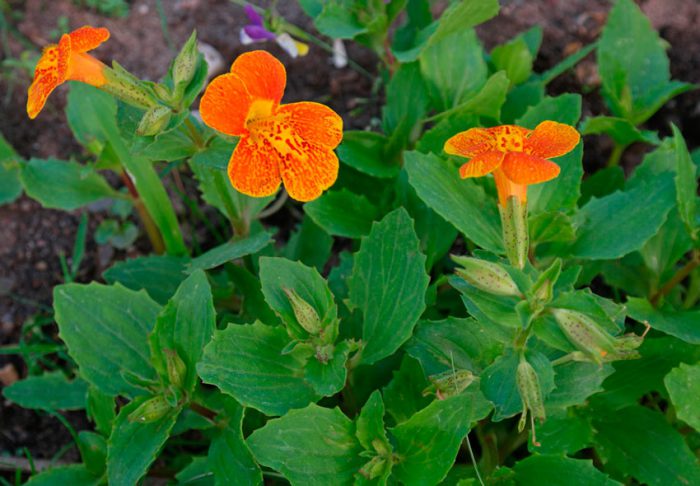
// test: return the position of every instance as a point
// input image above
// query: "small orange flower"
(65, 61)
(516, 156)
(291, 143)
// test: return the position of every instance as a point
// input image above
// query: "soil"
(31, 238)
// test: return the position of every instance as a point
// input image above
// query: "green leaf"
(613, 226)
(133, 446)
(461, 202)
(101, 410)
(168, 146)
(233, 250)
(564, 191)
(633, 65)
(364, 151)
(50, 391)
(328, 378)
(556, 469)
(309, 244)
(388, 285)
(338, 21)
(682, 324)
(63, 185)
(463, 15)
(620, 130)
(75, 475)
(185, 325)
(574, 382)
(428, 442)
(159, 275)
(370, 422)
(114, 345)
(686, 183)
(453, 343)
(683, 385)
(229, 456)
(515, 59)
(284, 444)
(278, 274)
(404, 394)
(433, 139)
(402, 116)
(246, 361)
(10, 184)
(564, 432)
(640, 443)
(601, 183)
(330, 212)
(444, 63)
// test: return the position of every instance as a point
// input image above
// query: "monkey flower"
(290, 143)
(66, 61)
(516, 156)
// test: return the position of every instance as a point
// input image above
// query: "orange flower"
(516, 156)
(291, 143)
(67, 61)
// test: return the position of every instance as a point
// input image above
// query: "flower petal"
(254, 168)
(313, 122)
(46, 78)
(471, 143)
(87, 38)
(509, 138)
(525, 169)
(262, 74)
(482, 164)
(551, 139)
(225, 105)
(307, 174)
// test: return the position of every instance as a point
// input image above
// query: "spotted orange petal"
(262, 74)
(482, 164)
(508, 137)
(471, 143)
(46, 78)
(254, 168)
(551, 139)
(306, 175)
(525, 169)
(87, 38)
(225, 105)
(313, 122)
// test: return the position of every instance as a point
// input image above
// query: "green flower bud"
(531, 395)
(487, 276)
(128, 88)
(185, 63)
(306, 315)
(449, 383)
(150, 410)
(177, 370)
(515, 233)
(374, 468)
(154, 120)
(585, 334)
(163, 93)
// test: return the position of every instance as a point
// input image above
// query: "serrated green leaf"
(683, 385)
(388, 285)
(403, 395)
(284, 444)
(574, 382)
(159, 275)
(133, 446)
(365, 152)
(50, 391)
(246, 361)
(330, 212)
(461, 202)
(309, 244)
(403, 115)
(686, 183)
(75, 475)
(115, 342)
(515, 58)
(230, 251)
(620, 130)
(681, 324)
(556, 469)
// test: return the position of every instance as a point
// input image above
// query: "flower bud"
(163, 93)
(449, 383)
(531, 395)
(177, 370)
(515, 233)
(154, 121)
(150, 410)
(123, 85)
(374, 468)
(584, 333)
(185, 64)
(306, 315)
(487, 276)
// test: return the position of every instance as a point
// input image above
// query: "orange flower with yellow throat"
(67, 60)
(516, 156)
(290, 143)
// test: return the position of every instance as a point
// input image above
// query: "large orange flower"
(516, 156)
(291, 143)
(65, 61)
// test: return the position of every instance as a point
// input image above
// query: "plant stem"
(205, 412)
(679, 276)
(148, 224)
(616, 154)
(194, 133)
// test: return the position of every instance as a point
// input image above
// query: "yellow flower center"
(509, 139)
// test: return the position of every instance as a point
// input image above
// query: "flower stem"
(679, 276)
(616, 155)
(146, 219)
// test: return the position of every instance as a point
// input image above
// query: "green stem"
(677, 278)
(148, 223)
(616, 155)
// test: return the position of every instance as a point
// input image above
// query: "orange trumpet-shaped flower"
(65, 61)
(278, 143)
(516, 156)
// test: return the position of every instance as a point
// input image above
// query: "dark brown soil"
(31, 238)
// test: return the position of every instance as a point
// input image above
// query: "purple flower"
(256, 27)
